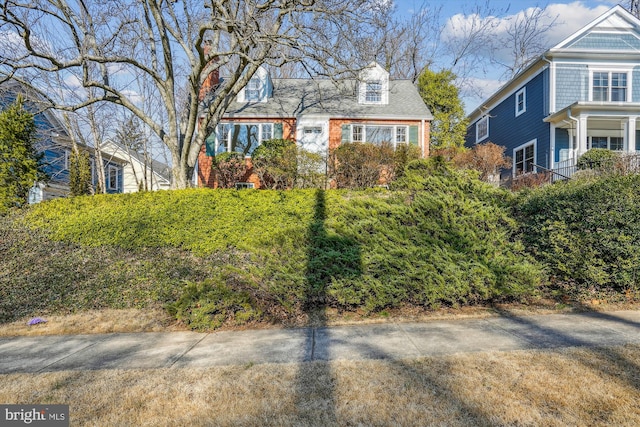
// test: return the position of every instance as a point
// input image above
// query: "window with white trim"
(609, 86)
(615, 143)
(252, 90)
(524, 158)
(380, 134)
(521, 101)
(357, 133)
(373, 92)
(112, 175)
(242, 138)
(482, 129)
(312, 130)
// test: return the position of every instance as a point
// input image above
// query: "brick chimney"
(212, 76)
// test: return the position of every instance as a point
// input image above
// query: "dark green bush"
(215, 302)
(587, 232)
(600, 159)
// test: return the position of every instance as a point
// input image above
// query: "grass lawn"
(574, 386)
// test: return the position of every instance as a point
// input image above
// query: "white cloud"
(571, 17)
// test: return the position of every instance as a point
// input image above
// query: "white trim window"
(614, 143)
(357, 133)
(242, 137)
(252, 90)
(521, 101)
(373, 93)
(482, 129)
(112, 178)
(312, 131)
(610, 86)
(524, 158)
(380, 134)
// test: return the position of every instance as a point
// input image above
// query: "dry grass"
(552, 388)
(94, 322)
(157, 320)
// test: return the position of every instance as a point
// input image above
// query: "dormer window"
(252, 90)
(373, 85)
(374, 92)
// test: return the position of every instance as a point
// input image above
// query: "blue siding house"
(583, 93)
(55, 145)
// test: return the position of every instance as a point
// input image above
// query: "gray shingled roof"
(293, 97)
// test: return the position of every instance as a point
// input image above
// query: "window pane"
(223, 138)
(519, 156)
(401, 134)
(482, 128)
(357, 133)
(267, 132)
(529, 152)
(113, 178)
(379, 134)
(598, 142)
(374, 92)
(252, 90)
(245, 139)
(616, 143)
(600, 86)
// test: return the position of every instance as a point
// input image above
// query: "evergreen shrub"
(586, 231)
(600, 159)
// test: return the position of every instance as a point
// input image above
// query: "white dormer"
(373, 85)
(259, 88)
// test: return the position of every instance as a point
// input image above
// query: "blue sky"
(570, 16)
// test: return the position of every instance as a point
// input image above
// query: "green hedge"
(441, 237)
(587, 231)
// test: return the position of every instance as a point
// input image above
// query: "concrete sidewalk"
(378, 341)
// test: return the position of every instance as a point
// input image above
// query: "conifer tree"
(20, 164)
(79, 173)
(449, 125)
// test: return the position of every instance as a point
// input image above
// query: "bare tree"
(525, 39)
(172, 46)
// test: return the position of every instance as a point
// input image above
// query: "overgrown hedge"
(441, 237)
(586, 231)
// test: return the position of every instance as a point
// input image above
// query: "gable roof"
(616, 23)
(323, 97)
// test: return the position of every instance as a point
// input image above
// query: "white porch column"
(631, 135)
(581, 135)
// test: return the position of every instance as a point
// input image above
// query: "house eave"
(623, 108)
(528, 73)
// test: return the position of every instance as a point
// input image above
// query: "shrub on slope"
(586, 231)
(441, 236)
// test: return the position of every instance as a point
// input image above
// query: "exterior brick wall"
(206, 174)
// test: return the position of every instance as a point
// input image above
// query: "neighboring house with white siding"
(138, 172)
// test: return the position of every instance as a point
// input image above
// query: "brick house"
(319, 114)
